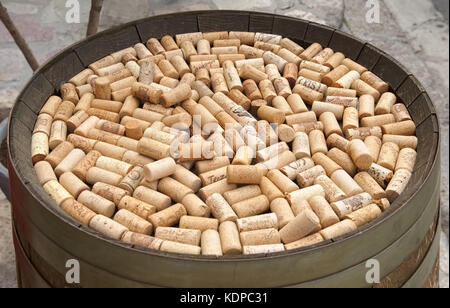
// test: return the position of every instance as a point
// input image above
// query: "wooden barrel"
(404, 240)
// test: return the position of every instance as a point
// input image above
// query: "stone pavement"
(413, 31)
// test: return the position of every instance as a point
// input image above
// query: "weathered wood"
(409, 90)
(62, 68)
(368, 56)
(223, 21)
(317, 33)
(261, 23)
(349, 46)
(94, 17)
(159, 26)
(291, 28)
(18, 38)
(36, 92)
(421, 108)
(391, 71)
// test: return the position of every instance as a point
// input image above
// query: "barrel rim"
(393, 210)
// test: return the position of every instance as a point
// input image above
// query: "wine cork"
(284, 184)
(69, 93)
(203, 47)
(271, 114)
(132, 179)
(374, 145)
(251, 207)
(388, 155)
(283, 211)
(64, 111)
(398, 184)
(69, 162)
(321, 107)
(135, 158)
(337, 73)
(216, 163)
(128, 143)
(232, 76)
(299, 206)
(97, 203)
(282, 87)
(364, 215)
(271, 58)
(77, 211)
(332, 192)
(296, 103)
(385, 104)
(347, 80)
(305, 194)
(168, 69)
(329, 165)
(271, 151)
(285, 133)
(312, 84)
(267, 46)
(245, 37)
(82, 77)
(76, 120)
(122, 85)
(350, 118)
(307, 94)
(96, 174)
(259, 222)
(187, 178)
(323, 210)
(153, 149)
(44, 172)
(149, 72)
(174, 189)
(242, 193)
(310, 74)
(107, 227)
(280, 103)
(375, 82)
(113, 165)
(203, 76)
(272, 72)
(378, 120)
(307, 177)
(58, 134)
(260, 237)
(159, 169)
(337, 141)
(299, 118)
(82, 143)
(360, 154)
(180, 248)
(308, 127)
(313, 239)
(345, 182)
(180, 65)
(51, 105)
(103, 62)
(262, 249)
(210, 243)
(341, 92)
(270, 190)
(111, 127)
(406, 159)
(168, 217)
(72, 184)
(133, 222)
(267, 38)
(363, 88)
(229, 238)
(153, 197)
(248, 71)
(146, 92)
(102, 88)
(142, 52)
(169, 82)
(342, 159)
(103, 136)
(141, 240)
(195, 206)
(382, 175)
(369, 185)
(179, 235)
(352, 65)
(363, 132)
(311, 51)
(219, 84)
(85, 102)
(224, 50)
(401, 141)
(220, 209)
(57, 192)
(290, 73)
(305, 223)
(202, 89)
(199, 223)
(366, 106)
(400, 113)
(213, 176)
(338, 229)
(330, 124)
(317, 142)
(351, 204)
(291, 46)
(244, 156)
(205, 64)
(277, 162)
(176, 95)
(405, 128)
(251, 90)
(43, 124)
(87, 126)
(343, 101)
(241, 174)
(104, 114)
(137, 207)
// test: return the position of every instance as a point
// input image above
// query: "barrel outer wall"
(51, 237)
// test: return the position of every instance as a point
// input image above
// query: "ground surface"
(413, 31)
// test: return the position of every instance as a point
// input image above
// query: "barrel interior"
(49, 77)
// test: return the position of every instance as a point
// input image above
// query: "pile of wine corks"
(224, 143)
